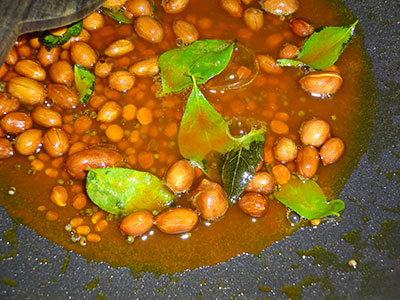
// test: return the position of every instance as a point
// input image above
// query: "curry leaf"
(307, 199)
(323, 48)
(50, 41)
(202, 130)
(240, 164)
(115, 13)
(203, 60)
(84, 81)
(123, 191)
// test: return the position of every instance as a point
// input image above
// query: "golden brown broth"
(236, 233)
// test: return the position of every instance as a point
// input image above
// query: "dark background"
(369, 232)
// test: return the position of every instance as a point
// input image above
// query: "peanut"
(137, 223)
(210, 200)
(262, 182)
(174, 6)
(31, 69)
(27, 90)
(145, 67)
(149, 29)
(268, 64)
(109, 112)
(253, 204)
(46, 117)
(185, 31)
(28, 142)
(285, 150)
(16, 122)
(307, 161)
(56, 142)
(280, 7)
(301, 28)
(179, 176)
(61, 72)
(83, 54)
(254, 18)
(314, 132)
(121, 80)
(331, 151)
(321, 84)
(119, 48)
(232, 7)
(176, 220)
(78, 163)
(62, 95)
(139, 7)
(8, 103)
(6, 149)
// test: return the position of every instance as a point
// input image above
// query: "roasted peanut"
(331, 150)
(280, 7)
(8, 103)
(84, 36)
(179, 176)
(62, 95)
(307, 161)
(210, 200)
(288, 51)
(145, 67)
(94, 21)
(28, 142)
(314, 132)
(12, 57)
(27, 90)
(174, 6)
(119, 48)
(6, 149)
(109, 112)
(253, 204)
(56, 142)
(103, 67)
(16, 122)
(78, 163)
(321, 84)
(114, 3)
(46, 117)
(301, 28)
(139, 7)
(61, 72)
(232, 7)
(31, 69)
(254, 18)
(262, 182)
(121, 80)
(3, 70)
(285, 150)
(185, 31)
(137, 223)
(46, 58)
(59, 196)
(176, 220)
(149, 29)
(83, 54)
(268, 64)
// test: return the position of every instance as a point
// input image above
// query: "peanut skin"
(78, 163)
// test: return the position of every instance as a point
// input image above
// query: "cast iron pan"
(369, 232)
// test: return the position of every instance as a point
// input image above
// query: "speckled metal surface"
(369, 232)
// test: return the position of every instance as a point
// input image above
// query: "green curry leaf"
(50, 41)
(115, 13)
(323, 48)
(202, 130)
(307, 199)
(123, 191)
(240, 164)
(84, 81)
(202, 60)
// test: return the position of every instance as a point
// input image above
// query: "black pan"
(312, 263)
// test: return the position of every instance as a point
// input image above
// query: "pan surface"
(310, 264)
